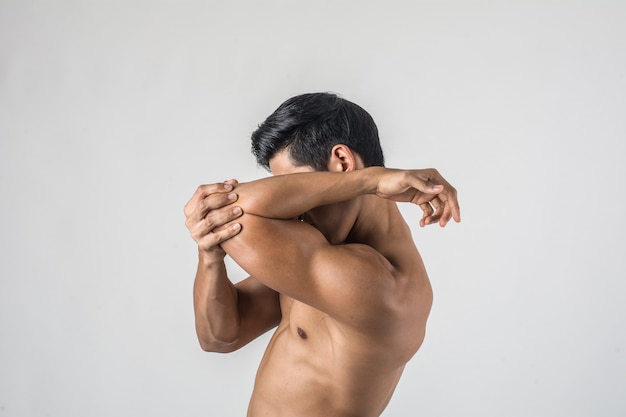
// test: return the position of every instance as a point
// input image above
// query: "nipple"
(301, 333)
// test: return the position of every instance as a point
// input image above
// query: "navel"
(301, 333)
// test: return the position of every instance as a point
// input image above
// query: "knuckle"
(214, 239)
(207, 189)
(208, 241)
(204, 204)
(215, 201)
(221, 236)
(195, 236)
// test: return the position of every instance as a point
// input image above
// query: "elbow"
(217, 346)
(250, 202)
(221, 336)
(207, 345)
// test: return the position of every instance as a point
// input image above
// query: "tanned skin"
(335, 268)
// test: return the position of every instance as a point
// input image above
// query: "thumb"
(425, 186)
(436, 189)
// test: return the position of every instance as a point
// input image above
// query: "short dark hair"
(309, 125)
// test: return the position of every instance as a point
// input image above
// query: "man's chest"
(306, 323)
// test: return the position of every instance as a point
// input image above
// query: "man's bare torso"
(315, 366)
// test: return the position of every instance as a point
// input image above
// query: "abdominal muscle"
(314, 368)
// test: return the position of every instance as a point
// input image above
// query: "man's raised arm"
(289, 196)
(295, 259)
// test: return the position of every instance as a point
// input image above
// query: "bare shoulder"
(294, 259)
(359, 263)
(356, 275)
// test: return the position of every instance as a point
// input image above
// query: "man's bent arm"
(289, 196)
(229, 316)
(215, 305)
(295, 259)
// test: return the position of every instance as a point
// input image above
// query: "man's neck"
(376, 219)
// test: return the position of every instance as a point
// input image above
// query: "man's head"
(309, 126)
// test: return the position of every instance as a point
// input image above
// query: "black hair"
(309, 125)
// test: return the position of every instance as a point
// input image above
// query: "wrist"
(211, 257)
(371, 178)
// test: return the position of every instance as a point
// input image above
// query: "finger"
(219, 235)
(217, 201)
(207, 189)
(222, 217)
(213, 202)
(456, 213)
(427, 211)
(445, 215)
(425, 186)
(203, 191)
(439, 208)
(452, 206)
(215, 219)
(226, 232)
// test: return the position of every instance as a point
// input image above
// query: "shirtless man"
(332, 262)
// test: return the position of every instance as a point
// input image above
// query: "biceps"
(295, 259)
(279, 253)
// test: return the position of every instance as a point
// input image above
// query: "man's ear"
(342, 159)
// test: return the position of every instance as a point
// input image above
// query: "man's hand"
(210, 214)
(424, 187)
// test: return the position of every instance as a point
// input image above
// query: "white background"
(112, 113)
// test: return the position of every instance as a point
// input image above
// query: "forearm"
(288, 196)
(215, 305)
